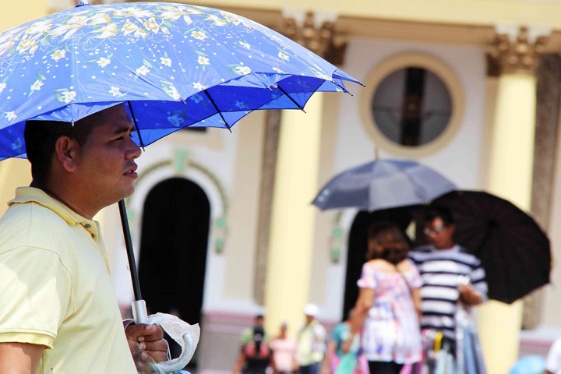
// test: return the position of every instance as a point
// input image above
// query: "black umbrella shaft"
(130, 250)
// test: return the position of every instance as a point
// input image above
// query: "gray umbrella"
(383, 184)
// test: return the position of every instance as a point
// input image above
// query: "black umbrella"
(513, 249)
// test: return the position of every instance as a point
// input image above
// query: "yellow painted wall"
(15, 13)
(478, 12)
(14, 173)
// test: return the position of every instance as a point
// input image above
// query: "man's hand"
(469, 296)
(149, 340)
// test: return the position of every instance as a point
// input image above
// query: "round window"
(411, 106)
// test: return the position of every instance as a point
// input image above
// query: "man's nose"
(134, 150)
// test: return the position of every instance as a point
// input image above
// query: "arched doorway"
(357, 246)
(173, 248)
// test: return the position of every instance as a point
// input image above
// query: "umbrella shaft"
(130, 250)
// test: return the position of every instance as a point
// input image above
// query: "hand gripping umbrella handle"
(176, 365)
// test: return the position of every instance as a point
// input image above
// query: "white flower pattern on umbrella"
(65, 95)
(242, 70)
(103, 61)
(58, 54)
(166, 61)
(116, 91)
(36, 86)
(203, 60)
(198, 86)
(200, 35)
(142, 70)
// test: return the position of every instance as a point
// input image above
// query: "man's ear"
(66, 151)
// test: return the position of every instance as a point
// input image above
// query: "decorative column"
(510, 173)
(289, 256)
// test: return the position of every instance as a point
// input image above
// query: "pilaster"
(515, 54)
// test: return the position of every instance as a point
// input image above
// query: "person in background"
(553, 359)
(284, 351)
(334, 354)
(247, 334)
(387, 308)
(311, 342)
(256, 356)
(58, 310)
(450, 274)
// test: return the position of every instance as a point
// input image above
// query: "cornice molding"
(322, 38)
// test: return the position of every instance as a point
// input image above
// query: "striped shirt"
(441, 271)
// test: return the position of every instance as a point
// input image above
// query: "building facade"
(240, 236)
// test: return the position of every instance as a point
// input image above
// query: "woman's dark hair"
(258, 335)
(387, 241)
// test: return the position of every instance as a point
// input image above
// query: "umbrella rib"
(218, 110)
(291, 99)
(136, 125)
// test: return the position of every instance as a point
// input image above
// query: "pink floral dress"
(391, 329)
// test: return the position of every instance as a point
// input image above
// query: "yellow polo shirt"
(55, 288)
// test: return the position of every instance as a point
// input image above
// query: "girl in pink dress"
(388, 306)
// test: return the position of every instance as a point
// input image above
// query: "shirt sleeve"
(35, 296)
(367, 277)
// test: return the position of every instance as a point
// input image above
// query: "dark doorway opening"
(358, 242)
(173, 249)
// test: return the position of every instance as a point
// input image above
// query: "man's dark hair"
(41, 136)
(389, 242)
(439, 211)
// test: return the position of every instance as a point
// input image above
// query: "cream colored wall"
(16, 172)
(13, 173)
(244, 208)
(479, 12)
(323, 270)
(17, 12)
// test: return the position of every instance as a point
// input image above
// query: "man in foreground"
(58, 311)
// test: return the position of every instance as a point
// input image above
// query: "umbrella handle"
(175, 365)
(139, 311)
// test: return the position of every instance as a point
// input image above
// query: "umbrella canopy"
(513, 249)
(176, 66)
(382, 184)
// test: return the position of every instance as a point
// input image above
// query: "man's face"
(106, 166)
(438, 234)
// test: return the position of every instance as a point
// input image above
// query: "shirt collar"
(455, 248)
(26, 195)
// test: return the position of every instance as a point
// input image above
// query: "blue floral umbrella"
(175, 65)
